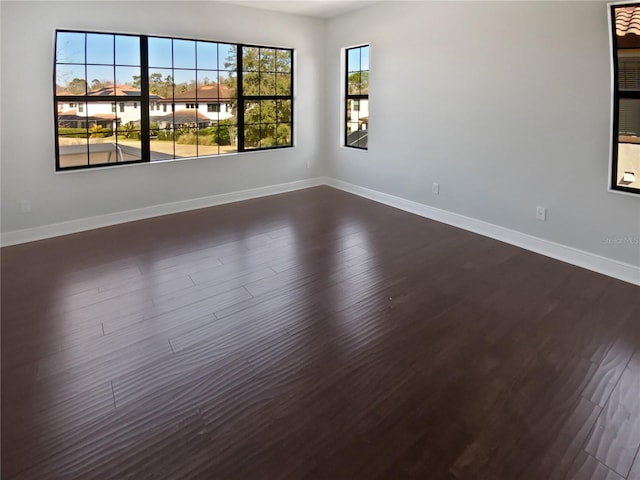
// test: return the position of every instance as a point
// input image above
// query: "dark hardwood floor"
(312, 335)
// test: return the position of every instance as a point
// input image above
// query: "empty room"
(334, 240)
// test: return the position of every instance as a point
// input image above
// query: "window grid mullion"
(265, 125)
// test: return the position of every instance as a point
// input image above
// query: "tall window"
(216, 98)
(357, 97)
(625, 174)
(267, 93)
(93, 70)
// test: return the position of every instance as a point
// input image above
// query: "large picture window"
(625, 36)
(133, 98)
(357, 97)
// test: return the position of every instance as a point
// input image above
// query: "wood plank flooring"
(312, 335)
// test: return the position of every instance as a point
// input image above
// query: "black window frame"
(352, 97)
(618, 95)
(143, 100)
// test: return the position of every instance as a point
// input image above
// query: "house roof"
(212, 91)
(627, 27)
(181, 116)
(120, 90)
(108, 91)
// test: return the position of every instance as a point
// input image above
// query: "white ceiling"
(313, 8)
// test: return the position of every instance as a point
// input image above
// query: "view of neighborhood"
(357, 97)
(192, 98)
(627, 164)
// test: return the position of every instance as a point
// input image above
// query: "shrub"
(82, 132)
(129, 130)
(190, 139)
(98, 131)
(166, 135)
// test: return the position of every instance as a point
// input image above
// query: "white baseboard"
(83, 224)
(606, 266)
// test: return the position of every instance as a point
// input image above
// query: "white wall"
(505, 104)
(27, 148)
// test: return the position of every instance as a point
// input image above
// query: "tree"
(266, 73)
(97, 131)
(358, 82)
(77, 86)
(157, 85)
(96, 84)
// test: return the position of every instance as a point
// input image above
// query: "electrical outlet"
(25, 206)
(435, 188)
(541, 213)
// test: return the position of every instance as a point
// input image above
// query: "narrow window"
(96, 71)
(266, 104)
(357, 97)
(625, 164)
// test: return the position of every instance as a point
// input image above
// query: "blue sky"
(102, 51)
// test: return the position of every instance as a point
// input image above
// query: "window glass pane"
(101, 80)
(358, 83)
(267, 60)
(186, 123)
(70, 47)
(227, 57)
(283, 134)
(267, 83)
(184, 54)
(162, 136)
(100, 48)
(127, 50)
(128, 77)
(160, 52)
(283, 83)
(252, 124)
(251, 136)
(130, 149)
(353, 59)
(363, 139)
(363, 110)
(364, 58)
(283, 60)
(207, 55)
(103, 152)
(250, 57)
(206, 78)
(70, 80)
(283, 111)
(228, 82)
(267, 111)
(628, 160)
(267, 135)
(161, 82)
(69, 114)
(251, 83)
(185, 81)
(73, 150)
(227, 136)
